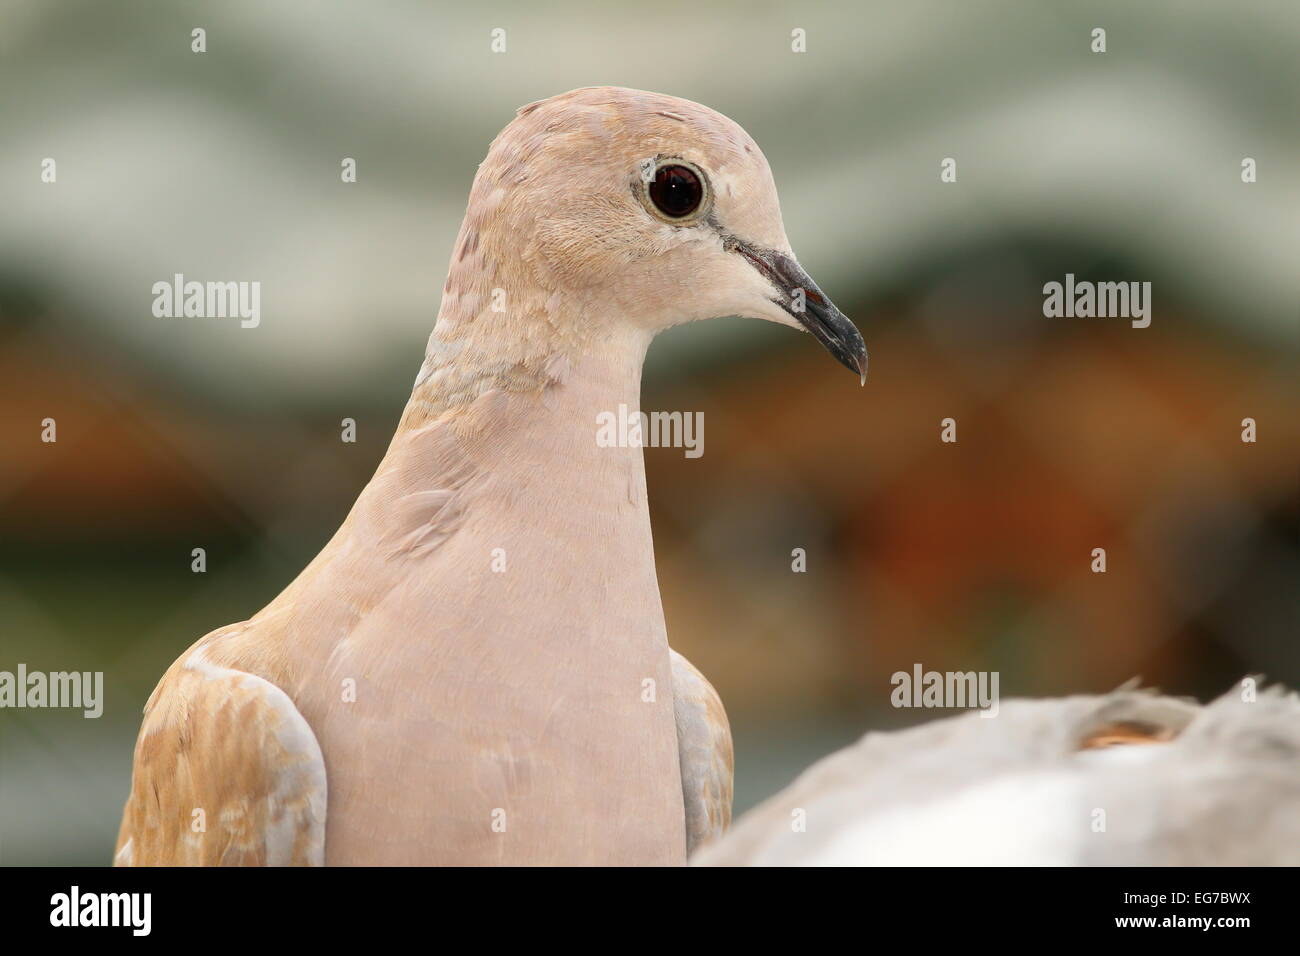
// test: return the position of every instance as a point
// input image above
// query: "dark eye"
(676, 191)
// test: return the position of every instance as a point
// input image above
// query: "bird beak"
(798, 295)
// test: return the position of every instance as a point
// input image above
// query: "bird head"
(620, 206)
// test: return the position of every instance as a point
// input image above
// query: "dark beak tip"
(816, 313)
(854, 359)
(843, 340)
(862, 368)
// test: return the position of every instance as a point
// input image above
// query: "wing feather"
(227, 773)
(704, 746)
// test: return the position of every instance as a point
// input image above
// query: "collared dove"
(1125, 779)
(475, 669)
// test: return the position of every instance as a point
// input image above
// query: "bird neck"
(466, 360)
(536, 413)
(518, 459)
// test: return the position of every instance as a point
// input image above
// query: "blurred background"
(1073, 433)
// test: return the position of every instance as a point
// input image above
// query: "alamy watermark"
(208, 300)
(628, 429)
(83, 690)
(1104, 300)
(133, 911)
(958, 689)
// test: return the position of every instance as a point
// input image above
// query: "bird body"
(468, 684)
(475, 669)
(1123, 779)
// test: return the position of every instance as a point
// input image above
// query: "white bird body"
(475, 669)
(1123, 779)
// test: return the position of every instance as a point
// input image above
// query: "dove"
(475, 669)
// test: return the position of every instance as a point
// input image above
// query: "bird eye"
(676, 191)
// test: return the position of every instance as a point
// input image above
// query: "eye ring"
(674, 191)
